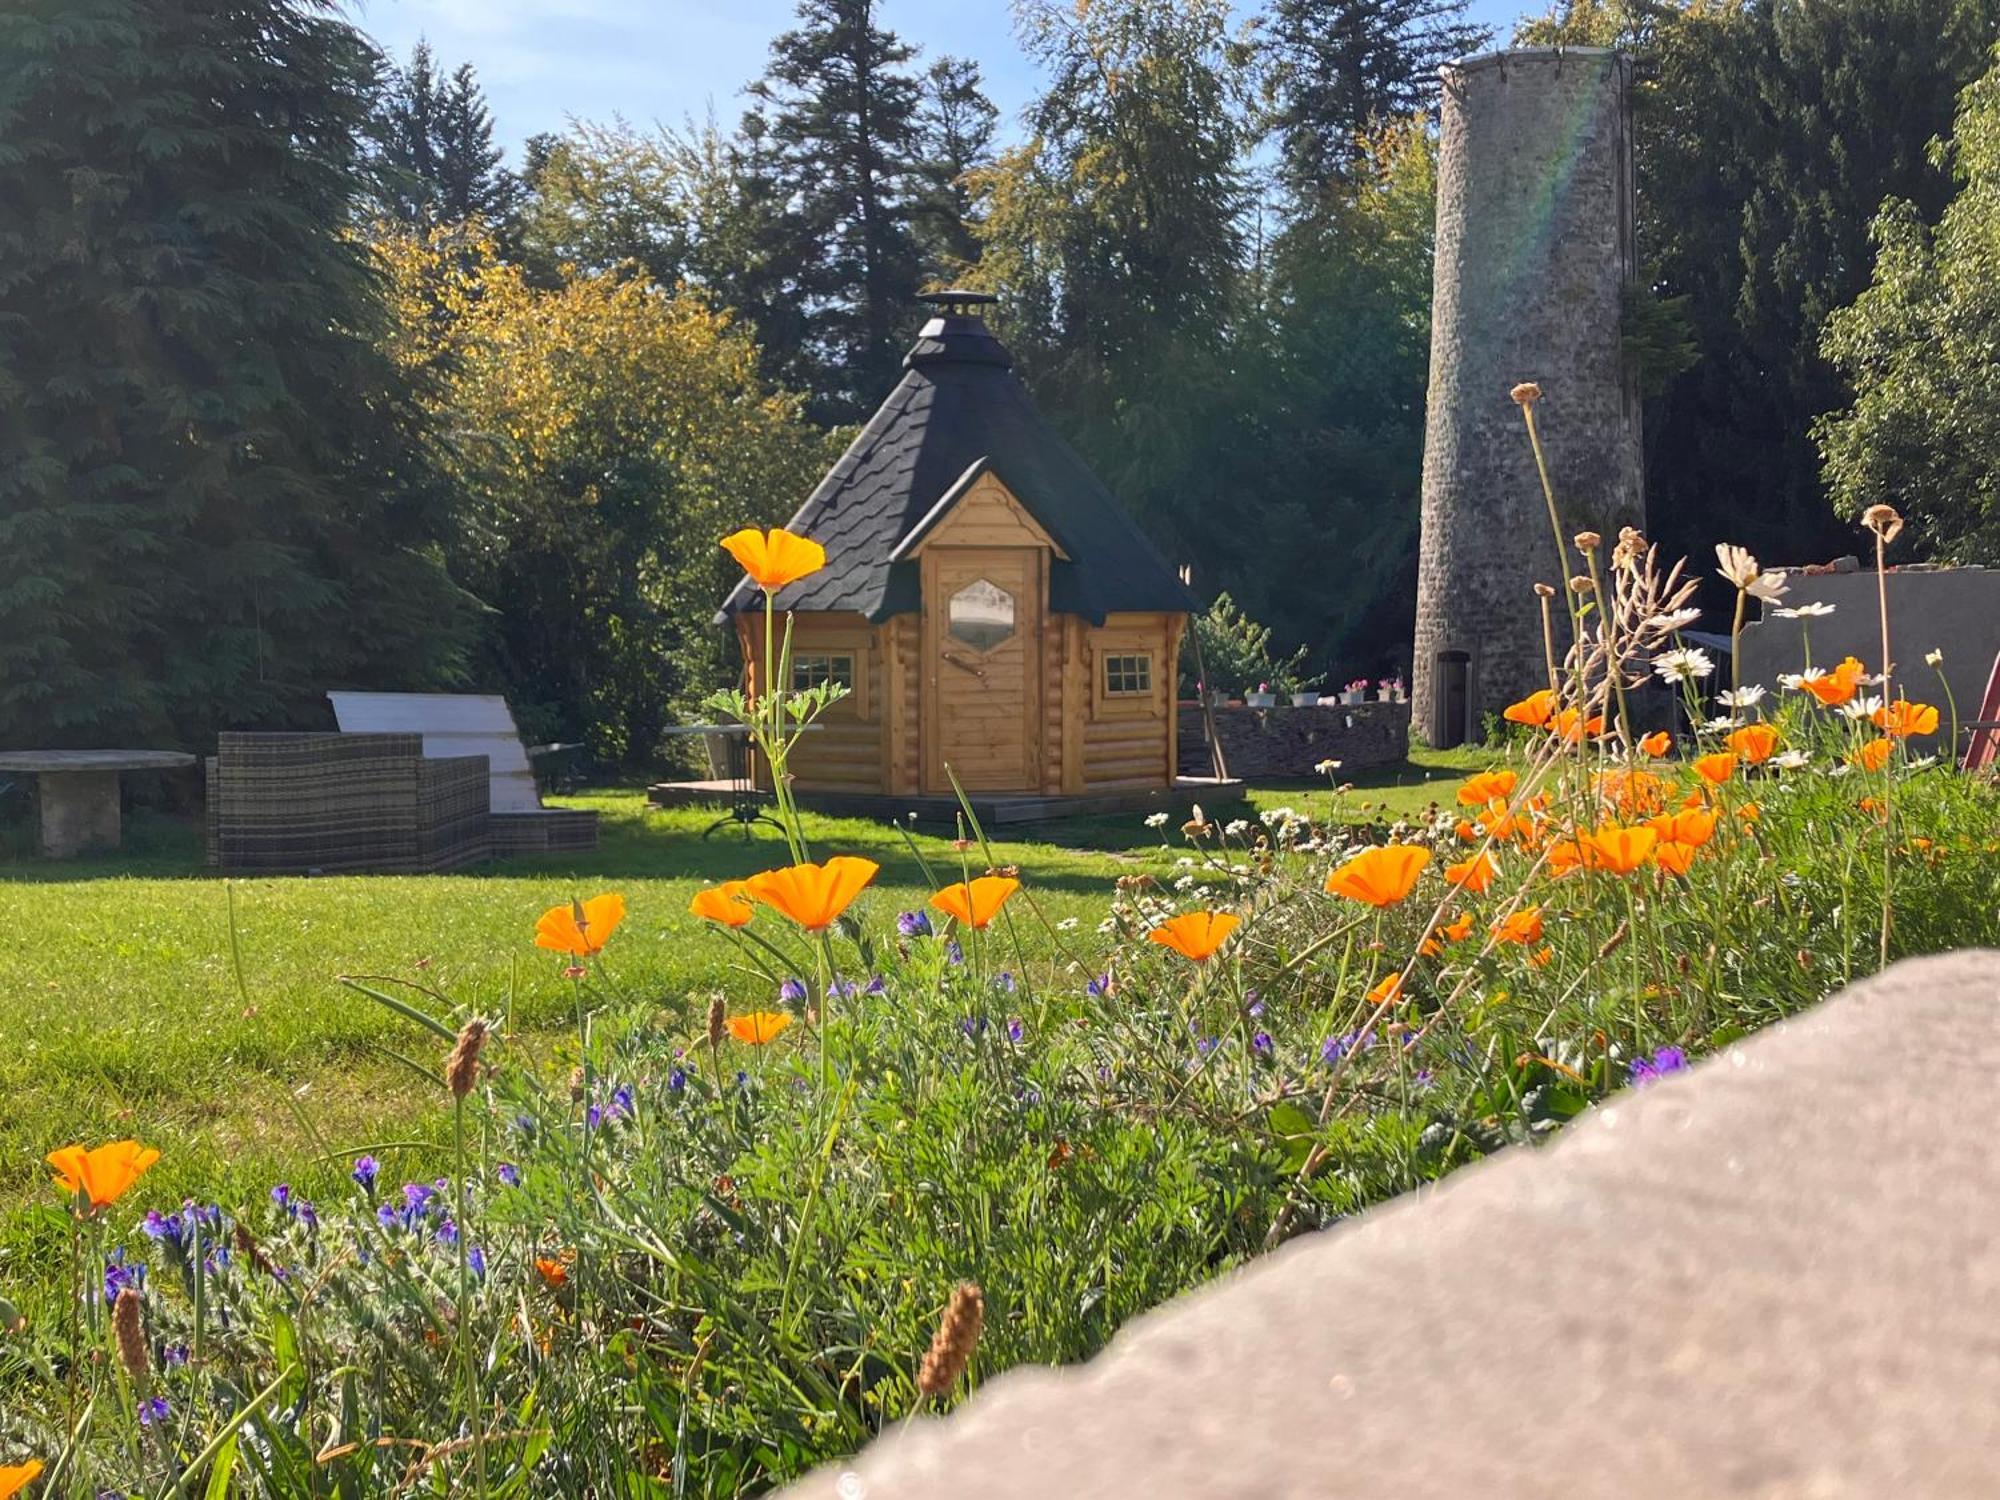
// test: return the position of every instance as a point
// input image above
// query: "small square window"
(1129, 675)
(811, 671)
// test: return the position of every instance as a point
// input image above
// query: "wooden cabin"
(987, 601)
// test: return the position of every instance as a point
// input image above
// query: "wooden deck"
(991, 810)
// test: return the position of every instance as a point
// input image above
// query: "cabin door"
(982, 710)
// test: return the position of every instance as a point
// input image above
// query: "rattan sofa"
(343, 803)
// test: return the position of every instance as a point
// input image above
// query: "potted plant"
(1384, 688)
(1397, 692)
(1263, 697)
(1303, 690)
(1355, 692)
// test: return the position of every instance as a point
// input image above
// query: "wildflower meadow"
(704, 1244)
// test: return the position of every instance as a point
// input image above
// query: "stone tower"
(1535, 251)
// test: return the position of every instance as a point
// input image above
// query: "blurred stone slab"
(1777, 1275)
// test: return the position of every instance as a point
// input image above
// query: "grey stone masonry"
(1535, 251)
(1772, 1276)
(1286, 741)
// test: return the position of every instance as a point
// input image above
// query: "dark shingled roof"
(959, 408)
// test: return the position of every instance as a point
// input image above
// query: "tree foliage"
(436, 159)
(1923, 431)
(1342, 70)
(213, 497)
(607, 431)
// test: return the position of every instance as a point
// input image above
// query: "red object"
(1983, 748)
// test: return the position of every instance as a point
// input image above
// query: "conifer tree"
(1343, 69)
(439, 164)
(955, 123)
(214, 497)
(840, 108)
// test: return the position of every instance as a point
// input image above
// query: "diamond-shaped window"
(981, 615)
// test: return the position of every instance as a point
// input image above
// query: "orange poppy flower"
(758, 1027)
(1656, 744)
(1874, 805)
(1535, 710)
(1487, 786)
(1474, 874)
(812, 895)
(1618, 849)
(1540, 958)
(580, 928)
(1565, 857)
(1693, 826)
(1749, 812)
(1571, 725)
(1674, 858)
(776, 557)
(1903, 718)
(16, 1477)
(1380, 877)
(1717, 768)
(554, 1273)
(1461, 929)
(728, 903)
(1195, 934)
(1836, 687)
(978, 902)
(1523, 927)
(1386, 990)
(1465, 830)
(1634, 793)
(101, 1174)
(1754, 742)
(1874, 755)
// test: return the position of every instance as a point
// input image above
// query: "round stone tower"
(1535, 252)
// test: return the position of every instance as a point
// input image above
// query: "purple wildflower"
(282, 1196)
(842, 989)
(953, 954)
(447, 1233)
(1099, 987)
(1004, 981)
(153, 1409)
(366, 1169)
(1014, 1028)
(1261, 1044)
(509, 1174)
(306, 1214)
(792, 991)
(1659, 1065)
(677, 1080)
(914, 924)
(876, 985)
(475, 1260)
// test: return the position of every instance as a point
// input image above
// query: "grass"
(129, 1013)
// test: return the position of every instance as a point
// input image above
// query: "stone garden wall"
(1286, 741)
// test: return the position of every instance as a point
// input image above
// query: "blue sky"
(545, 61)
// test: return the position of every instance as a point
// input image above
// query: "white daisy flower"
(1688, 664)
(1922, 762)
(1720, 726)
(1861, 707)
(1770, 587)
(1156, 820)
(1796, 680)
(1068, 924)
(1741, 697)
(1816, 610)
(1791, 760)
(1738, 566)
(1934, 658)
(1327, 767)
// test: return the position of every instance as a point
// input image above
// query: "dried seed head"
(576, 1084)
(1581, 585)
(718, 1020)
(957, 1336)
(1527, 393)
(1545, 591)
(461, 1069)
(1884, 521)
(1588, 541)
(131, 1337)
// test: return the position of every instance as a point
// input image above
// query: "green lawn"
(124, 1011)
